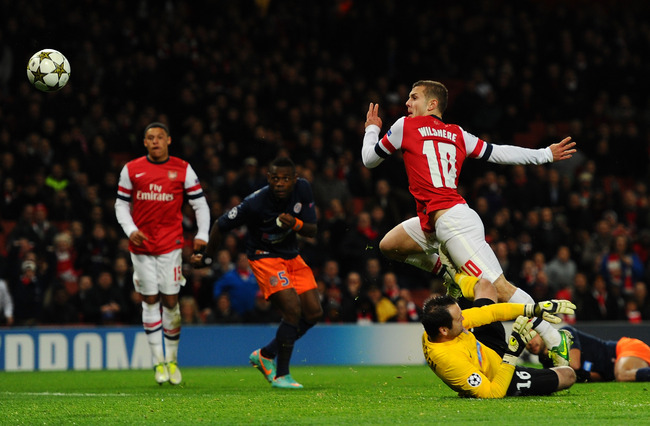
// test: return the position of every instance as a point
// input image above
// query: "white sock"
(171, 321)
(546, 331)
(152, 322)
(426, 262)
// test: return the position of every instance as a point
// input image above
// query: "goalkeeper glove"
(522, 332)
(548, 308)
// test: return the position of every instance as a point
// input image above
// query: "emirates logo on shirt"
(154, 194)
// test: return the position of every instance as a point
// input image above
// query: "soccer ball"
(48, 70)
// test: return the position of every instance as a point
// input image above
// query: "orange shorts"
(274, 274)
(632, 347)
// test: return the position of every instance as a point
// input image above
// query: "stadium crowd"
(240, 82)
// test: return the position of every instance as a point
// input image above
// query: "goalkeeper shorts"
(632, 347)
(533, 381)
(275, 274)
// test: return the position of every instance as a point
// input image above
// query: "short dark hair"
(159, 125)
(434, 89)
(435, 314)
(283, 162)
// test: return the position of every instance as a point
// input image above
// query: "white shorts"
(462, 233)
(427, 242)
(158, 274)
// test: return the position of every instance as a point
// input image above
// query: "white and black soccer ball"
(48, 70)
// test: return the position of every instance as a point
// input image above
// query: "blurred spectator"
(587, 307)
(561, 270)
(392, 202)
(61, 310)
(402, 315)
(390, 286)
(240, 286)
(384, 308)
(103, 304)
(63, 260)
(223, 312)
(98, 253)
(610, 303)
(642, 299)
(6, 305)
(189, 311)
(350, 294)
(263, 312)
(123, 280)
(28, 291)
(327, 187)
(250, 179)
(330, 275)
(360, 243)
(598, 244)
(621, 267)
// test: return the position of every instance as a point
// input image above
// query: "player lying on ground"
(481, 364)
(594, 359)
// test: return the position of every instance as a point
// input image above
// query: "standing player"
(434, 153)
(274, 216)
(154, 186)
(596, 360)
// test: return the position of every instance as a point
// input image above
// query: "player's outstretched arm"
(563, 150)
(548, 308)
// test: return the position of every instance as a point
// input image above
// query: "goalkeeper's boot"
(175, 376)
(161, 373)
(266, 366)
(560, 353)
(285, 382)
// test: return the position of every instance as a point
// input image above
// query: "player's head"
(157, 140)
(536, 346)
(442, 317)
(282, 177)
(427, 97)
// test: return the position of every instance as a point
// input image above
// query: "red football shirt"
(434, 153)
(155, 191)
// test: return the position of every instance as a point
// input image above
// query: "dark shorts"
(525, 381)
(533, 381)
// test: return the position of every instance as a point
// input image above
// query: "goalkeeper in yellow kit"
(482, 364)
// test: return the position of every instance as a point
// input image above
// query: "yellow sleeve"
(476, 317)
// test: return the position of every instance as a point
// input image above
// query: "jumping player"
(434, 153)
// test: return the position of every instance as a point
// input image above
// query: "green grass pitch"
(332, 395)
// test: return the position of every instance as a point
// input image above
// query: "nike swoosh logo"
(137, 175)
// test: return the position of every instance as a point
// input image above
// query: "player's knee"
(566, 377)
(386, 248)
(291, 313)
(313, 316)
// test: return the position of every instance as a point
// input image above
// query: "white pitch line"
(75, 394)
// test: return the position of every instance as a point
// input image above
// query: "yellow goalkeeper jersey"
(467, 366)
